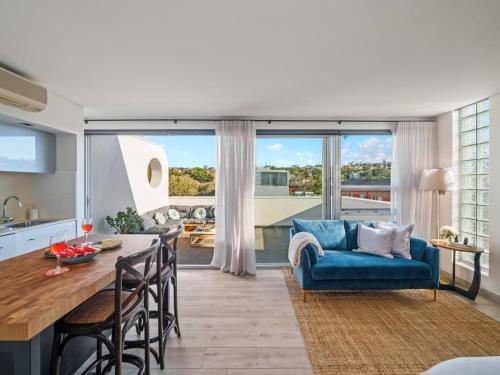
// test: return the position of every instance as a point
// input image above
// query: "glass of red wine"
(58, 245)
(86, 228)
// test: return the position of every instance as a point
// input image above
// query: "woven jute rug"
(397, 332)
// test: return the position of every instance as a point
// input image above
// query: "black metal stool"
(116, 310)
(166, 268)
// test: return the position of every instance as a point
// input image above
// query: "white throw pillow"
(375, 241)
(159, 218)
(401, 240)
(173, 214)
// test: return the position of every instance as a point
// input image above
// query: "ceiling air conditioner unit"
(21, 93)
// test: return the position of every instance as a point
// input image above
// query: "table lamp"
(438, 180)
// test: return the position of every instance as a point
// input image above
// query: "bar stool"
(116, 310)
(166, 267)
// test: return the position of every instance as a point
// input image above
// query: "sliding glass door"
(341, 176)
(289, 184)
(167, 179)
(365, 177)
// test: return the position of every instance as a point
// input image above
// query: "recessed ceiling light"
(25, 124)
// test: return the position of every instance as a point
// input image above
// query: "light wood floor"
(235, 326)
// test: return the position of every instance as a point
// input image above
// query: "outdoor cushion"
(148, 221)
(160, 229)
(349, 265)
(159, 218)
(199, 213)
(184, 211)
(194, 221)
(210, 212)
(173, 214)
(330, 233)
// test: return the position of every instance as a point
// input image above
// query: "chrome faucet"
(5, 218)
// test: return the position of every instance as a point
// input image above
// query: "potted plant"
(126, 222)
(448, 233)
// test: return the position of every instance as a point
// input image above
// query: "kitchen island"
(30, 303)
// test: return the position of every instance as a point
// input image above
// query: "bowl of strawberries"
(73, 254)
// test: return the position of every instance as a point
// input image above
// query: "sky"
(18, 147)
(197, 151)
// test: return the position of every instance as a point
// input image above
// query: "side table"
(470, 293)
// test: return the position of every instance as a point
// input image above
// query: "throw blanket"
(298, 242)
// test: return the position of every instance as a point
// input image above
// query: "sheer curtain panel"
(234, 239)
(414, 150)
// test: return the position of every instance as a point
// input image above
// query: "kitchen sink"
(27, 223)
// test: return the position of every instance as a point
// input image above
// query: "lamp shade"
(438, 179)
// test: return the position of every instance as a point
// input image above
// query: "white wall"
(448, 157)
(61, 193)
(137, 154)
(492, 282)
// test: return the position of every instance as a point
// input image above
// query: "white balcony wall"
(268, 210)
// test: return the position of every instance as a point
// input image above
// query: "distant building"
(270, 182)
(378, 189)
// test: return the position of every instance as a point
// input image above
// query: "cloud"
(371, 150)
(305, 158)
(186, 153)
(275, 147)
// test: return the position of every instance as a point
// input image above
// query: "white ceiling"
(277, 58)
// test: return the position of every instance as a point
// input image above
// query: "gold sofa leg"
(435, 294)
(306, 292)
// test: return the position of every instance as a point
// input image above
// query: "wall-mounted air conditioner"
(21, 93)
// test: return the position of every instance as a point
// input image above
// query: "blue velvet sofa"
(343, 269)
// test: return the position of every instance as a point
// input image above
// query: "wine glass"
(86, 228)
(58, 243)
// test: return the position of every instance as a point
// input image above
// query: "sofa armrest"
(312, 253)
(431, 257)
(309, 249)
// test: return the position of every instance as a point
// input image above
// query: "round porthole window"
(154, 172)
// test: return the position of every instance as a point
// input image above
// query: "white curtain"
(414, 150)
(234, 238)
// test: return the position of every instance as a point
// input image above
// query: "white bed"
(467, 366)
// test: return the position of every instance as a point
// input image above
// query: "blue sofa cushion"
(349, 265)
(329, 233)
(351, 232)
(417, 248)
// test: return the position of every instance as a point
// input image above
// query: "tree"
(207, 189)
(183, 186)
(200, 174)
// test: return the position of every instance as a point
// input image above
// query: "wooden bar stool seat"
(97, 309)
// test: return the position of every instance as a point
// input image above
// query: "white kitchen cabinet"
(7, 246)
(39, 237)
(27, 240)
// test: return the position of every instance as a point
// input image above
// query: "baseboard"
(446, 276)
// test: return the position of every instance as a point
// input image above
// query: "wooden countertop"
(31, 301)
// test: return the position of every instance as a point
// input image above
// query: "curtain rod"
(269, 121)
